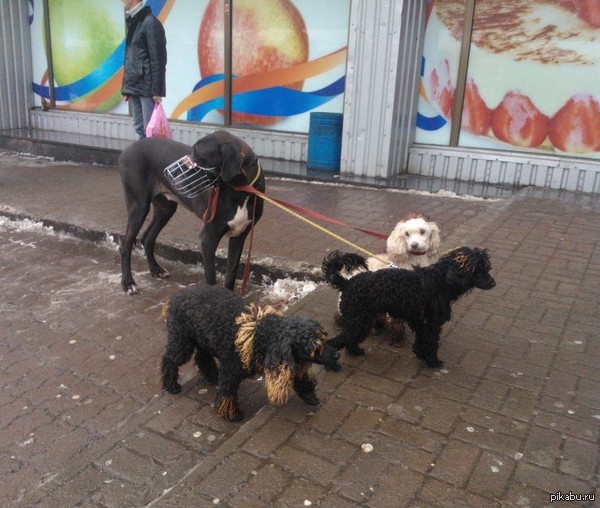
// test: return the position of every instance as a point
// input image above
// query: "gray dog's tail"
(337, 261)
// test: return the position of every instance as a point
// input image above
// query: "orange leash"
(298, 209)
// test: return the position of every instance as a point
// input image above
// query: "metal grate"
(189, 179)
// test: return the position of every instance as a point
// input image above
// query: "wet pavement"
(511, 420)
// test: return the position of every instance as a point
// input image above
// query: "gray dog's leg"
(136, 214)
(163, 211)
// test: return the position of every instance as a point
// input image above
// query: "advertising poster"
(288, 58)
(439, 71)
(39, 62)
(87, 41)
(533, 80)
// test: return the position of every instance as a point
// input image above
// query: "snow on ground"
(282, 292)
(285, 292)
(24, 225)
(440, 193)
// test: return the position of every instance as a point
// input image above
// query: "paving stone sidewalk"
(511, 420)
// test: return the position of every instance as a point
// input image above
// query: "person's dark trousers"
(142, 108)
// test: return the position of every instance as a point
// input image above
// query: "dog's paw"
(397, 341)
(234, 417)
(173, 389)
(336, 343)
(210, 380)
(160, 273)
(434, 363)
(311, 400)
(333, 367)
(227, 407)
(355, 351)
(131, 289)
(128, 285)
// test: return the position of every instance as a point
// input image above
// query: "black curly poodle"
(215, 323)
(421, 297)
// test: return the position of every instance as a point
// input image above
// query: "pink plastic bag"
(158, 126)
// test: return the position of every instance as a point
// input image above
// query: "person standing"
(145, 63)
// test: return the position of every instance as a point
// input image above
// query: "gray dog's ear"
(232, 161)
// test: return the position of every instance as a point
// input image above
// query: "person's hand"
(125, 98)
(157, 99)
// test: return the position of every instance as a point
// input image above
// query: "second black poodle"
(214, 322)
(421, 297)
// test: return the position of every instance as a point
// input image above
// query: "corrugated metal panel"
(15, 74)
(507, 168)
(278, 145)
(409, 65)
(373, 47)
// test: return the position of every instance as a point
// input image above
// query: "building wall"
(412, 29)
(371, 86)
(513, 169)
(378, 75)
(15, 71)
(382, 82)
(369, 113)
(384, 52)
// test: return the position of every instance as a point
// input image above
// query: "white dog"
(415, 241)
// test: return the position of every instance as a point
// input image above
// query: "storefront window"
(39, 62)
(439, 71)
(532, 79)
(288, 58)
(86, 54)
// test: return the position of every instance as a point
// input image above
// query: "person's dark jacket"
(145, 56)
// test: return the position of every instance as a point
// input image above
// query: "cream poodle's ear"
(434, 240)
(396, 243)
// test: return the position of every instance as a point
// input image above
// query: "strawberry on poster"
(541, 93)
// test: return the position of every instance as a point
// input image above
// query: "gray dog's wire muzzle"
(189, 179)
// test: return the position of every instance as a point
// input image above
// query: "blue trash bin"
(324, 141)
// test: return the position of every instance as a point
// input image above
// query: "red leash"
(211, 207)
(251, 190)
(246, 274)
(209, 215)
(309, 213)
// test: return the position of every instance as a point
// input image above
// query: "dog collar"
(258, 172)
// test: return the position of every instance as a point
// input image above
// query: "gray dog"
(222, 161)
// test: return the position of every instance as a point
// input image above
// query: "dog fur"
(414, 241)
(214, 322)
(142, 165)
(421, 297)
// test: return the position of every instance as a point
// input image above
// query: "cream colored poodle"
(415, 241)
